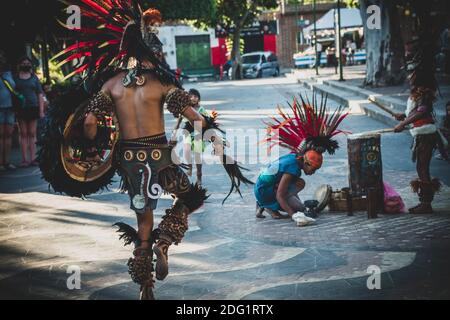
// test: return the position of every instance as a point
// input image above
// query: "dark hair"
(23, 58)
(195, 93)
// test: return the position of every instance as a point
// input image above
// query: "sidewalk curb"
(355, 99)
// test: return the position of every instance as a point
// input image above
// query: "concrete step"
(356, 99)
(357, 103)
(375, 112)
(343, 99)
(397, 105)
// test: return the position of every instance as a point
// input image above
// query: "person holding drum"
(307, 135)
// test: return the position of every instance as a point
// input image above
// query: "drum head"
(323, 195)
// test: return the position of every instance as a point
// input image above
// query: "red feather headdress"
(112, 32)
(310, 127)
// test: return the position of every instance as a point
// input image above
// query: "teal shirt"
(265, 185)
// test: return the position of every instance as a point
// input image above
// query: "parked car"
(260, 64)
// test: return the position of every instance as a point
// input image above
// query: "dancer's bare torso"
(139, 109)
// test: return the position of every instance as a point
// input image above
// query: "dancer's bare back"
(139, 109)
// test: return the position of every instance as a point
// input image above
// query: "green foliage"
(184, 9)
(56, 74)
(240, 13)
(352, 3)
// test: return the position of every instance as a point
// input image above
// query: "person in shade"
(419, 113)
(7, 117)
(27, 83)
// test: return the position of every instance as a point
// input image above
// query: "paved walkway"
(227, 252)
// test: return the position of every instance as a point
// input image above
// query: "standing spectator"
(349, 53)
(27, 83)
(319, 54)
(7, 119)
(192, 143)
(353, 51)
(344, 56)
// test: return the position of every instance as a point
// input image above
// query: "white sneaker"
(301, 220)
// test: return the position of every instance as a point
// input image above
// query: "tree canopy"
(239, 13)
(184, 9)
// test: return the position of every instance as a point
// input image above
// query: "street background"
(227, 252)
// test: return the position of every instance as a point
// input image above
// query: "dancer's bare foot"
(140, 268)
(259, 212)
(276, 215)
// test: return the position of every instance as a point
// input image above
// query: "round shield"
(78, 163)
(322, 195)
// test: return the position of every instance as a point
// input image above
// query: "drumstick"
(173, 139)
(381, 106)
(379, 131)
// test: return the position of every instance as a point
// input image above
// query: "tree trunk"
(384, 46)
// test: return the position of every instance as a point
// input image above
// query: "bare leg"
(275, 214)
(31, 129)
(295, 203)
(145, 228)
(174, 223)
(23, 128)
(425, 191)
(292, 197)
(259, 212)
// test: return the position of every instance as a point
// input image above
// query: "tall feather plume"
(97, 47)
(309, 125)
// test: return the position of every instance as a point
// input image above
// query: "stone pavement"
(227, 252)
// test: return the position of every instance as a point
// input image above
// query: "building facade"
(292, 18)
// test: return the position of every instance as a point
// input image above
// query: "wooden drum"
(365, 167)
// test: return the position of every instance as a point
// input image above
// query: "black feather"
(233, 170)
(194, 198)
(127, 233)
(50, 142)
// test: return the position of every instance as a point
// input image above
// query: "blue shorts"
(266, 196)
(7, 116)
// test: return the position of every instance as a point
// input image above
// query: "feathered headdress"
(113, 32)
(420, 62)
(310, 127)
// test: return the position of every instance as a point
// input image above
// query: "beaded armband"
(101, 105)
(177, 101)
